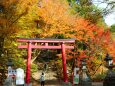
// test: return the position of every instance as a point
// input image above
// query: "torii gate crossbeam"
(31, 45)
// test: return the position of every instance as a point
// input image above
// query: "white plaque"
(19, 76)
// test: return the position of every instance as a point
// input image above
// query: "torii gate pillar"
(28, 63)
(64, 63)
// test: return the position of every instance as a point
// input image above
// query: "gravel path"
(50, 79)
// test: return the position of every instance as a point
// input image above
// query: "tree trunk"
(1, 45)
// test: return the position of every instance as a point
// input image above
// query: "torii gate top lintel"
(46, 40)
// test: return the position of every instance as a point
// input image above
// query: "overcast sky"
(109, 19)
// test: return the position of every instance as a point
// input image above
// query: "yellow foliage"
(55, 14)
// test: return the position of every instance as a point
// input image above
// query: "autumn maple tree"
(54, 21)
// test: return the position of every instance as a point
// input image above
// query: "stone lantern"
(10, 63)
(109, 80)
(85, 79)
(10, 69)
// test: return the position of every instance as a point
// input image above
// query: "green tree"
(86, 9)
(112, 28)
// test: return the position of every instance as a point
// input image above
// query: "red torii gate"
(31, 45)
